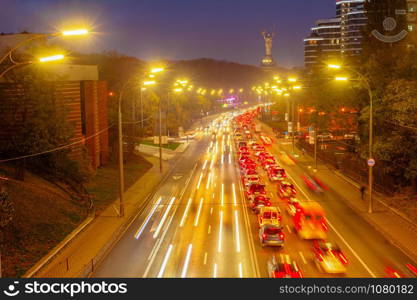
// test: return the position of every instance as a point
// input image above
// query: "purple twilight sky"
(176, 29)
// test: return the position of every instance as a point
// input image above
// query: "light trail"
(234, 194)
(197, 217)
(199, 180)
(230, 158)
(208, 181)
(215, 271)
(184, 216)
(222, 203)
(219, 247)
(139, 232)
(237, 232)
(164, 263)
(187, 261)
(163, 218)
(240, 270)
(205, 164)
(222, 158)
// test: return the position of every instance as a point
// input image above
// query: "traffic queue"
(308, 217)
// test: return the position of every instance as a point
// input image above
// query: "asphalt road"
(198, 223)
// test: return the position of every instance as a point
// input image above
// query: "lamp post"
(365, 82)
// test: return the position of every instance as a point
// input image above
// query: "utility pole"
(160, 136)
(371, 133)
(293, 125)
(121, 171)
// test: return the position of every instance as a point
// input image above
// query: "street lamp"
(365, 82)
(40, 60)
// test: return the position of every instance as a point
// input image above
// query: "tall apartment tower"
(352, 22)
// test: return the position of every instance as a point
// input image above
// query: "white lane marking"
(184, 216)
(219, 247)
(237, 232)
(197, 217)
(234, 194)
(140, 230)
(163, 218)
(199, 180)
(164, 263)
(205, 164)
(209, 229)
(211, 211)
(187, 261)
(205, 259)
(289, 229)
(215, 271)
(240, 270)
(302, 257)
(337, 232)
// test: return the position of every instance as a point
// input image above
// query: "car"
(257, 202)
(325, 136)
(259, 148)
(255, 189)
(243, 158)
(243, 151)
(293, 205)
(276, 173)
(249, 179)
(242, 144)
(266, 140)
(268, 163)
(329, 258)
(286, 190)
(286, 268)
(271, 235)
(269, 215)
(311, 183)
(248, 166)
(266, 157)
(248, 171)
(254, 145)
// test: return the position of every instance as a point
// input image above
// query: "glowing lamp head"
(75, 32)
(51, 58)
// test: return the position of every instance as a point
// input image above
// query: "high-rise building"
(412, 15)
(352, 22)
(323, 42)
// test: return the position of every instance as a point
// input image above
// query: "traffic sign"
(371, 162)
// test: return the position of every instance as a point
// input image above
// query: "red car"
(276, 173)
(268, 163)
(243, 151)
(286, 268)
(256, 189)
(286, 190)
(249, 171)
(256, 202)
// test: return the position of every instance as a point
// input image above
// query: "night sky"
(176, 29)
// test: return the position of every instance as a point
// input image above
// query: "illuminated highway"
(198, 223)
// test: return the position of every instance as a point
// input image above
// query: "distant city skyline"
(184, 29)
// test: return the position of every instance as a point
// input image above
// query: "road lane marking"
(240, 270)
(219, 247)
(237, 232)
(140, 230)
(163, 218)
(289, 229)
(197, 217)
(184, 216)
(154, 248)
(205, 164)
(209, 229)
(302, 257)
(187, 261)
(164, 263)
(205, 259)
(215, 271)
(211, 211)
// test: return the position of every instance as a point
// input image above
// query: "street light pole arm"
(14, 66)
(25, 41)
